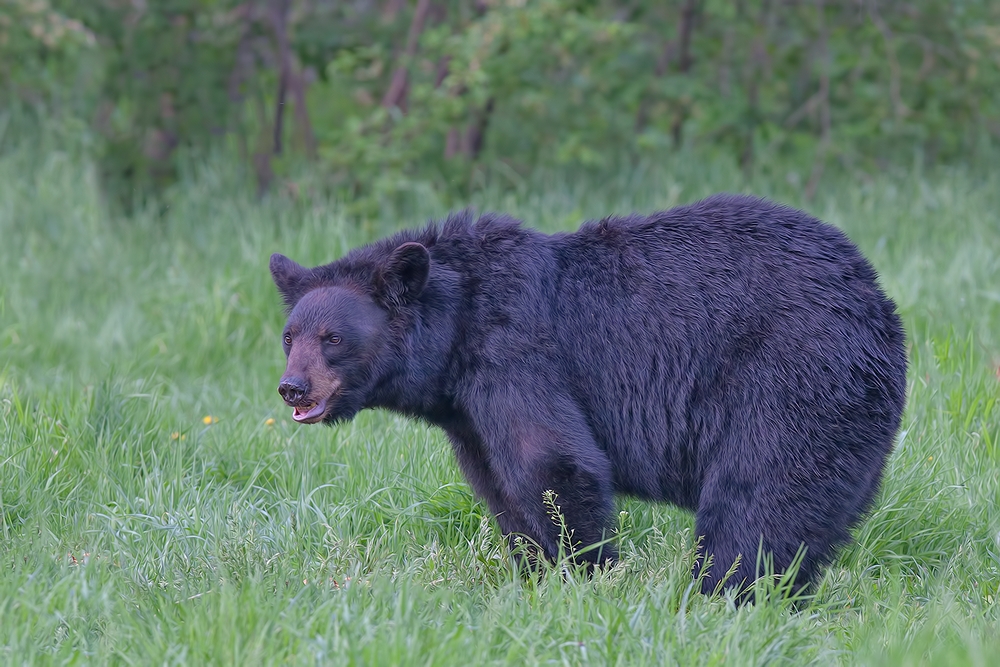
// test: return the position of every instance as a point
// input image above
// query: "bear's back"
(673, 316)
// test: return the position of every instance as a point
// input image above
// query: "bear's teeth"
(309, 413)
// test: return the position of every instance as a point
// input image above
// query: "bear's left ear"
(404, 275)
(289, 277)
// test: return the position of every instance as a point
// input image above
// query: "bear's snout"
(293, 390)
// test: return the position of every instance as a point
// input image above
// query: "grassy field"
(158, 505)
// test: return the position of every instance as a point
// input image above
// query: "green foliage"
(442, 95)
(133, 531)
(41, 50)
(567, 82)
(168, 82)
(512, 69)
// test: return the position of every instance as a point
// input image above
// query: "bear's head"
(340, 336)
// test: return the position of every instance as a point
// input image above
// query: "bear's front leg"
(529, 445)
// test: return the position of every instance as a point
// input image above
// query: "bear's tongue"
(313, 412)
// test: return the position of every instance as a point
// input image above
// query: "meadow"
(159, 506)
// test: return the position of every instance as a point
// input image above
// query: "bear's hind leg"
(739, 519)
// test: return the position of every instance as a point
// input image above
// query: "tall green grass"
(151, 511)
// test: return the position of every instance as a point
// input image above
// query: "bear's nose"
(293, 389)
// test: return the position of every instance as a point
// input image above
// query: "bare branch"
(808, 107)
(391, 9)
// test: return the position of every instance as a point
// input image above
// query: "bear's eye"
(288, 340)
(334, 339)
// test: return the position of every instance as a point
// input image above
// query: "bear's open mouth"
(307, 414)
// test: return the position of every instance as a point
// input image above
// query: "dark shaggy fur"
(733, 357)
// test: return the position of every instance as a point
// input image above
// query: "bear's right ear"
(289, 277)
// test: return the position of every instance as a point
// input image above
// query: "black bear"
(734, 357)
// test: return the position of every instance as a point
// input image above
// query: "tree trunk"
(289, 79)
(675, 50)
(395, 96)
(684, 62)
(475, 133)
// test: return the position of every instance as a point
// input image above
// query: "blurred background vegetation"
(381, 97)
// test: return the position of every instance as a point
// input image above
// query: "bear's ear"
(404, 275)
(289, 277)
